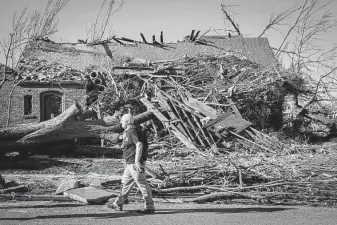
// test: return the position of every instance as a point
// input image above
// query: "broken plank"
(202, 131)
(258, 138)
(228, 121)
(181, 105)
(166, 106)
(200, 107)
(16, 189)
(176, 110)
(154, 174)
(167, 124)
(190, 123)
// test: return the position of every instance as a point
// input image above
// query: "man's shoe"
(115, 207)
(146, 211)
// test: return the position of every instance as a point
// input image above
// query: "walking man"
(134, 147)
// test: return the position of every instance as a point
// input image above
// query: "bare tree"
(307, 25)
(279, 19)
(98, 28)
(27, 27)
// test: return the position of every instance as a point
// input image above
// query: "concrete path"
(35, 213)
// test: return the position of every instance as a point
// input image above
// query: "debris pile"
(207, 100)
(239, 178)
(34, 69)
(217, 105)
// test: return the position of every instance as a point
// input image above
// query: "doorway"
(51, 105)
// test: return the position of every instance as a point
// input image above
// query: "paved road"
(35, 213)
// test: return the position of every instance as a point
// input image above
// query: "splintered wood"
(193, 99)
(198, 125)
(167, 124)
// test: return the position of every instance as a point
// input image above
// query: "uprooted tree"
(71, 124)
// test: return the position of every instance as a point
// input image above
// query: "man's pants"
(129, 178)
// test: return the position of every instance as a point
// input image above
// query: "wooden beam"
(196, 35)
(202, 131)
(144, 40)
(166, 106)
(190, 135)
(167, 124)
(118, 41)
(20, 197)
(181, 105)
(192, 35)
(194, 129)
(200, 107)
(161, 37)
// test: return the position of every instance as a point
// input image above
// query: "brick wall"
(69, 95)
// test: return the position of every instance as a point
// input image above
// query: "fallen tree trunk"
(68, 130)
(62, 128)
(17, 132)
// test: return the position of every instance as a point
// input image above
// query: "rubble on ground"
(68, 184)
(89, 195)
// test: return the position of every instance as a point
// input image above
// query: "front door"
(51, 105)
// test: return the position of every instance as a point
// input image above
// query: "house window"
(27, 104)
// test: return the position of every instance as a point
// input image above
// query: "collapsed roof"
(46, 60)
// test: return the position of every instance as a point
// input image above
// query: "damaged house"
(44, 93)
(52, 76)
(188, 82)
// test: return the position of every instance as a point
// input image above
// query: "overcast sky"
(176, 18)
